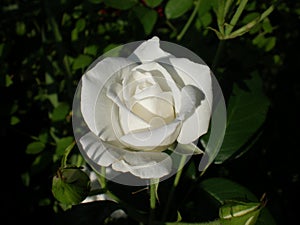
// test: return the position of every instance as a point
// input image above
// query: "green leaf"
(147, 17)
(14, 120)
(53, 98)
(250, 17)
(49, 79)
(271, 42)
(175, 8)
(204, 7)
(62, 144)
(153, 3)
(122, 5)
(246, 112)
(70, 185)
(81, 62)
(80, 25)
(234, 197)
(8, 81)
(59, 113)
(222, 189)
(240, 213)
(20, 28)
(35, 147)
(91, 50)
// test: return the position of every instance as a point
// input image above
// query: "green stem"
(102, 178)
(152, 201)
(175, 184)
(187, 25)
(218, 55)
(236, 17)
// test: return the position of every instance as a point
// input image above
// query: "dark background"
(41, 38)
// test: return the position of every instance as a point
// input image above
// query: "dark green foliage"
(45, 46)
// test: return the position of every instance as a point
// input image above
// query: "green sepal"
(70, 185)
(238, 212)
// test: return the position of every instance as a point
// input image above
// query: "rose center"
(155, 111)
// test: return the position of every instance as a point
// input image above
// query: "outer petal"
(98, 151)
(191, 98)
(145, 165)
(200, 76)
(197, 123)
(187, 149)
(93, 82)
(148, 51)
(194, 74)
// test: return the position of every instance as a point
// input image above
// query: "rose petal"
(164, 79)
(148, 51)
(195, 113)
(153, 138)
(145, 165)
(200, 76)
(195, 74)
(98, 151)
(128, 120)
(131, 82)
(187, 149)
(160, 106)
(191, 98)
(93, 81)
(198, 123)
(151, 91)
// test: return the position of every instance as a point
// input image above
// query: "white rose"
(136, 107)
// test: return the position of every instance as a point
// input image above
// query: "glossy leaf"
(81, 62)
(60, 112)
(62, 144)
(204, 7)
(242, 213)
(237, 199)
(246, 112)
(175, 8)
(70, 185)
(222, 189)
(147, 17)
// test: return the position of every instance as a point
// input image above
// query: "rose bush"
(137, 107)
